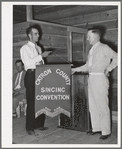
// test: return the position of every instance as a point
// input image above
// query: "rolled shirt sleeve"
(83, 68)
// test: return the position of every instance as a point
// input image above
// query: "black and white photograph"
(61, 76)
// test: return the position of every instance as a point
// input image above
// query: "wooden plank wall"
(77, 46)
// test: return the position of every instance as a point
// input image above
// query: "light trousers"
(98, 103)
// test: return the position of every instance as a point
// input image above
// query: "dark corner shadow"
(111, 44)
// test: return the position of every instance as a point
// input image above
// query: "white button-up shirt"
(99, 59)
(30, 56)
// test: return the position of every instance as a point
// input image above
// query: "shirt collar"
(20, 72)
(96, 44)
(31, 43)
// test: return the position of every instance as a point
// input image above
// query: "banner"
(52, 90)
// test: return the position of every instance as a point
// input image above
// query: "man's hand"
(73, 70)
(46, 53)
(39, 63)
(107, 73)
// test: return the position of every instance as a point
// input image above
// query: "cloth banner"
(52, 90)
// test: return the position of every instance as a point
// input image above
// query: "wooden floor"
(56, 135)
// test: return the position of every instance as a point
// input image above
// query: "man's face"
(34, 36)
(19, 66)
(92, 37)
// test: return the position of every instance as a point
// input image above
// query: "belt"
(96, 73)
(31, 70)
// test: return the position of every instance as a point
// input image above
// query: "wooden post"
(59, 120)
(69, 45)
(29, 12)
(73, 99)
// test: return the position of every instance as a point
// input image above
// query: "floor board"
(55, 135)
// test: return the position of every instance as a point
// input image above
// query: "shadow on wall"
(111, 44)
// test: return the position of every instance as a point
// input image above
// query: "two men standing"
(98, 65)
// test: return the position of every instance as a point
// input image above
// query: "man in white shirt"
(19, 91)
(101, 60)
(31, 56)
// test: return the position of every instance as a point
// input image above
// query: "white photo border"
(7, 70)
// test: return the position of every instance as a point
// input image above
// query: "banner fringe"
(56, 112)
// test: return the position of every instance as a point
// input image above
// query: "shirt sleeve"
(112, 55)
(26, 58)
(83, 68)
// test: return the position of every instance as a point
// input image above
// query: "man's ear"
(29, 35)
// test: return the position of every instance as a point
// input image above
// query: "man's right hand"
(46, 53)
(107, 73)
(39, 63)
(73, 70)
